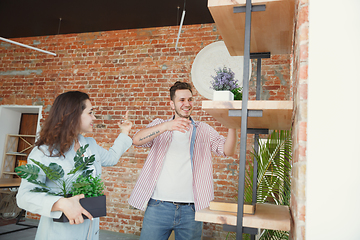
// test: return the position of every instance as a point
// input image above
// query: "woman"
(60, 138)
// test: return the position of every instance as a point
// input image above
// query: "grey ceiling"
(26, 18)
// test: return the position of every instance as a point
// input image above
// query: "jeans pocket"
(154, 203)
(192, 206)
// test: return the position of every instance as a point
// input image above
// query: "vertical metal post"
(258, 78)
(244, 114)
(256, 138)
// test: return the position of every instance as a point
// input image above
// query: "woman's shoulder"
(39, 152)
(85, 140)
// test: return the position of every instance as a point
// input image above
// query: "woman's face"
(87, 118)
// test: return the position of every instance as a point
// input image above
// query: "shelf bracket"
(250, 113)
(260, 55)
(254, 8)
(257, 131)
(248, 230)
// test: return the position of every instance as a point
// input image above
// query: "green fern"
(89, 186)
(273, 180)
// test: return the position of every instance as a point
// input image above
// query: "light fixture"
(27, 46)
(181, 23)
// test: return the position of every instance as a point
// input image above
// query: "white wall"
(333, 156)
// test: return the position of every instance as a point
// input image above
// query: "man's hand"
(179, 124)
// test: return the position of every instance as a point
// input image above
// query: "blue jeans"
(162, 217)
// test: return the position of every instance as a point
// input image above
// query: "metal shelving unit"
(228, 22)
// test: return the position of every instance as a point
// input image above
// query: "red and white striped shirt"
(207, 140)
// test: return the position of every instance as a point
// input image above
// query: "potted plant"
(225, 85)
(274, 158)
(79, 181)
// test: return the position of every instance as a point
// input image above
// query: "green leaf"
(81, 184)
(37, 189)
(38, 183)
(87, 173)
(273, 181)
(82, 163)
(53, 171)
(89, 186)
(237, 93)
(28, 171)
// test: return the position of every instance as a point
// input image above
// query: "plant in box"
(78, 181)
(224, 81)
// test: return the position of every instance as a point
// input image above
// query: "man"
(176, 179)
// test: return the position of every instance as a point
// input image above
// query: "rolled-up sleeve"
(110, 157)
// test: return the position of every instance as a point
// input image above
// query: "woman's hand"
(72, 209)
(125, 125)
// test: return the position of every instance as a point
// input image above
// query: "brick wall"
(300, 81)
(128, 70)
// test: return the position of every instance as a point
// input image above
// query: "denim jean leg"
(158, 220)
(186, 228)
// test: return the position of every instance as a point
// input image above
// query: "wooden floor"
(4, 222)
(29, 234)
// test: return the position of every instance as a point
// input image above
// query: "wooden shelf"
(21, 135)
(271, 30)
(16, 154)
(17, 147)
(230, 206)
(10, 173)
(276, 114)
(267, 216)
(9, 182)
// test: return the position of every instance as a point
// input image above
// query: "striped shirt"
(207, 141)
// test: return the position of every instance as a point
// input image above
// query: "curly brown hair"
(179, 85)
(62, 126)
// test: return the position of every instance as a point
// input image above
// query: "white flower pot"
(224, 95)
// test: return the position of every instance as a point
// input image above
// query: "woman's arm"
(38, 202)
(125, 125)
(72, 208)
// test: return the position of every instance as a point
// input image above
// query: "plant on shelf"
(224, 80)
(78, 181)
(273, 181)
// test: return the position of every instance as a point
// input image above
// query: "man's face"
(182, 103)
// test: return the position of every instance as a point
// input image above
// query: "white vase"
(223, 95)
